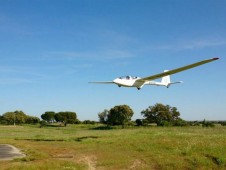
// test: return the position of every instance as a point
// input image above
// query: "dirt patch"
(9, 152)
(63, 156)
(90, 161)
(137, 164)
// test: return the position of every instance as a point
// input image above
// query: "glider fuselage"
(130, 81)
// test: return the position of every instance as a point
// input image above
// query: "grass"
(83, 147)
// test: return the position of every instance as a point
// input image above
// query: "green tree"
(103, 116)
(20, 117)
(9, 118)
(2, 121)
(66, 117)
(161, 114)
(32, 120)
(89, 122)
(139, 122)
(119, 115)
(17, 117)
(48, 116)
(207, 124)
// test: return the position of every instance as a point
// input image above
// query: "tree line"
(63, 117)
(158, 114)
(18, 117)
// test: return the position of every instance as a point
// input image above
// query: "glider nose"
(116, 81)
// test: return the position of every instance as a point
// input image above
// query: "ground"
(84, 147)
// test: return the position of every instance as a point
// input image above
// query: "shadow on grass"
(51, 125)
(214, 159)
(78, 139)
(46, 140)
(106, 127)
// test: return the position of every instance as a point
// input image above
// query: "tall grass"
(81, 147)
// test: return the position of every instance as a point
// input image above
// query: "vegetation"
(103, 116)
(118, 115)
(18, 117)
(63, 117)
(48, 116)
(159, 114)
(162, 115)
(83, 147)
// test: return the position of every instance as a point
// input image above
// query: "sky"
(50, 50)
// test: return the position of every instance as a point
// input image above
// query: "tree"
(32, 120)
(48, 116)
(89, 122)
(66, 117)
(139, 122)
(161, 114)
(2, 121)
(119, 115)
(20, 117)
(17, 117)
(103, 116)
(207, 124)
(8, 118)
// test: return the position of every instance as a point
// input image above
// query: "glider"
(131, 81)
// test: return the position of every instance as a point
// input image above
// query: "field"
(83, 147)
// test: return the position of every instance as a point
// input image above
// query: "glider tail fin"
(166, 80)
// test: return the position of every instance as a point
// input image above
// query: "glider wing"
(177, 70)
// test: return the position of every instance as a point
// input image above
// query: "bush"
(139, 122)
(43, 123)
(180, 122)
(89, 122)
(207, 124)
(223, 123)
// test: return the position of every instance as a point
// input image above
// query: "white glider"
(131, 81)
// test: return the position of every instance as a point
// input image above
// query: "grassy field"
(82, 147)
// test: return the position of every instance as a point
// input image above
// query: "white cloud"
(190, 45)
(13, 81)
(95, 55)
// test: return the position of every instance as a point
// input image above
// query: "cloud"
(191, 45)
(108, 54)
(20, 75)
(13, 81)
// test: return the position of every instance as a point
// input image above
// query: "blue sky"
(50, 50)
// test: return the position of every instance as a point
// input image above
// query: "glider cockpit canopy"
(129, 77)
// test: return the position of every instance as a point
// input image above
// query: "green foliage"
(66, 117)
(119, 115)
(18, 117)
(42, 123)
(32, 120)
(207, 124)
(9, 117)
(163, 115)
(194, 123)
(180, 122)
(103, 116)
(48, 116)
(2, 120)
(223, 123)
(89, 122)
(139, 122)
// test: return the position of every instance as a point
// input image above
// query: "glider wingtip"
(215, 58)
